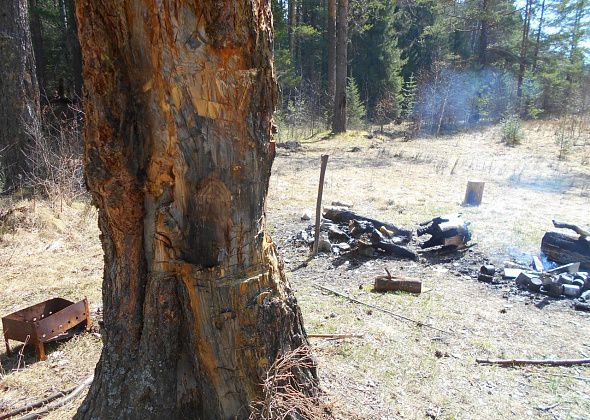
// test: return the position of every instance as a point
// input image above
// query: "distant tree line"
(442, 64)
(340, 64)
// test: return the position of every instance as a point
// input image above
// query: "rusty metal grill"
(44, 322)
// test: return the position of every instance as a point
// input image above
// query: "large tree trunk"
(38, 45)
(178, 104)
(19, 92)
(523, 51)
(331, 34)
(291, 26)
(538, 40)
(73, 46)
(339, 117)
(482, 47)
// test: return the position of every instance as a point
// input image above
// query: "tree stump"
(473, 193)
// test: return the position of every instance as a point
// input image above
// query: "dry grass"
(397, 369)
(47, 253)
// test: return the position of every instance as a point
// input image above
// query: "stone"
(343, 246)
(324, 244)
(306, 216)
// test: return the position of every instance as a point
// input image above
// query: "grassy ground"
(397, 369)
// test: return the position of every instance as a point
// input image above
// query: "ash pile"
(344, 231)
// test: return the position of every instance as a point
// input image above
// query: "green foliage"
(409, 96)
(355, 110)
(512, 133)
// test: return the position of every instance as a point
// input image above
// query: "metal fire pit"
(44, 322)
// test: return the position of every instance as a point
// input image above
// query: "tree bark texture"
(178, 103)
(73, 46)
(38, 45)
(523, 50)
(292, 24)
(331, 34)
(19, 98)
(482, 47)
(339, 117)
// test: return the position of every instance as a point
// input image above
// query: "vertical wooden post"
(318, 206)
(473, 193)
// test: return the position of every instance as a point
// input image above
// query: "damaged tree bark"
(178, 106)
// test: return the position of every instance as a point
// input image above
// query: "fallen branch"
(387, 311)
(335, 336)
(37, 404)
(524, 362)
(68, 395)
(579, 230)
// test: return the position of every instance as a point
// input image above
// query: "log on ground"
(344, 215)
(385, 284)
(565, 249)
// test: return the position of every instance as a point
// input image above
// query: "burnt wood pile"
(446, 231)
(343, 230)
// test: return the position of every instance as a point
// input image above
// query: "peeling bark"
(178, 103)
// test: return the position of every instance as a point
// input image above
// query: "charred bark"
(178, 104)
(19, 101)
(339, 115)
(565, 249)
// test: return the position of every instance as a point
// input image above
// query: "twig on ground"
(523, 362)
(334, 336)
(378, 308)
(21, 354)
(549, 407)
(37, 404)
(59, 403)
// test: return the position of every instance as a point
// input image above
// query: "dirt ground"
(397, 369)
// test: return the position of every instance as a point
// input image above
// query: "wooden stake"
(318, 207)
(522, 362)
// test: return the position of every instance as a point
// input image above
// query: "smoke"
(450, 99)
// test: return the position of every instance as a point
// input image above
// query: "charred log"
(565, 249)
(342, 215)
(449, 230)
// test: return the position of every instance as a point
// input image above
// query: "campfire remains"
(343, 230)
(569, 280)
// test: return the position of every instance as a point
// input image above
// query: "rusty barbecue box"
(47, 321)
